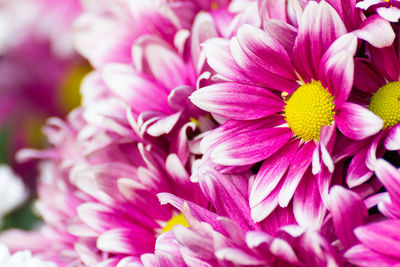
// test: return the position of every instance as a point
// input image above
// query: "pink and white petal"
(232, 127)
(342, 202)
(360, 255)
(264, 208)
(373, 26)
(365, 4)
(119, 240)
(319, 27)
(225, 197)
(237, 101)
(159, 60)
(238, 257)
(391, 14)
(250, 147)
(164, 125)
(264, 50)
(392, 140)
(337, 68)
(203, 29)
(374, 151)
(133, 88)
(259, 72)
(382, 237)
(271, 172)
(390, 177)
(283, 33)
(297, 170)
(357, 172)
(219, 57)
(308, 207)
(357, 122)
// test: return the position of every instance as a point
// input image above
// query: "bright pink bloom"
(256, 122)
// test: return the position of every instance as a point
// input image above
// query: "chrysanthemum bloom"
(387, 9)
(295, 134)
(380, 241)
(21, 259)
(371, 119)
(214, 240)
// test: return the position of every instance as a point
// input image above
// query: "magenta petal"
(119, 240)
(392, 141)
(390, 177)
(296, 171)
(237, 101)
(250, 147)
(203, 29)
(219, 57)
(308, 207)
(159, 60)
(225, 197)
(373, 26)
(358, 172)
(365, 257)
(366, 78)
(265, 51)
(357, 122)
(137, 91)
(264, 208)
(319, 27)
(382, 237)
(337, 68)
(238, 257)
(271, 172)
(342, 202)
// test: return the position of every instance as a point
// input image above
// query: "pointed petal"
(382, 237)
(357, 122)
(319, 27)
(342, 202)
(392, 141)
(250, 147)
(271, 172)
(296, 171)
(237, 101)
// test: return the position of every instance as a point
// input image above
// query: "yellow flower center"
(177, 219)
(308, 109)
(386, 103)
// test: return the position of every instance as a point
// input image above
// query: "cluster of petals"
(225, 133)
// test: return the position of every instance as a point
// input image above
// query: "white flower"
(21, 259)
(12, 190)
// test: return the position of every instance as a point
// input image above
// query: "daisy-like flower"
(21, 259)
(313, 68)
(387, 9)
(371, 118)
(379, 243)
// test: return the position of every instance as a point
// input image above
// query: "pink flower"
(293, 142)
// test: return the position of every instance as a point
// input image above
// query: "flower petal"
(357, 122)
(237, 101)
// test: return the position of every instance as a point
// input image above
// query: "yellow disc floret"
(308, 109)
(177, 219)
(386, 103)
